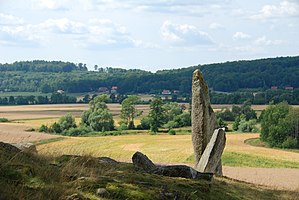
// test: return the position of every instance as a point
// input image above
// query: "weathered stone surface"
(210, 160)
(142, 161)
(107, 161)
(102, 192)
(182, 171)
(8, 148)
(203, 118)
(26, 147)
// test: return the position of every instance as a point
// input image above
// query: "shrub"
(81, 130)
(289, 143)
(171, 125)
(171, 132)
(3, 120)
(123, 127)
(247, 126)
(43, 128)
(144, 123)
(226, 115)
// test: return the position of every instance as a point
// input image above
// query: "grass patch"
(28, 176)
(49, 141)
(255, 142)
(247, 160)
(258, 143)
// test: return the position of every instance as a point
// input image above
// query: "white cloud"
(19, 36)
(284, 9)
(184, 34)
(52, 4)
(264, 41)
(10, 20)
(216, 26)
(241, 35)
(63, 25)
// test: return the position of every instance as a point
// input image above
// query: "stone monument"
(204, 124)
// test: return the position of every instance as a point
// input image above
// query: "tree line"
(43, 76)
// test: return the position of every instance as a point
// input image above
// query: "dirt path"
(14, 133)
(277, 178)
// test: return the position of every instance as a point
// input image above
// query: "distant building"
(60, 91)
(176, 91)
(165, 92)
(113, 89)
(103, 90)
(289, 88)
(274, 88)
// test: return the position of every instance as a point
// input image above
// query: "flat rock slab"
(211, 157)
(141, 161)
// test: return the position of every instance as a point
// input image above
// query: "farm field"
(238, 156)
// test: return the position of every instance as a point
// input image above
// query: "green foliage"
(81, 130)
(43, 76)
(3, 120)
(98, 117)
(171, 124)
(129, 111)
(43, 128)
(247, 126)
(222, 124)
(226, 115)
(236, 123)
(66, 122)
(171, 132)
(144, 123)
(280, 126)
(156, 114)
(172, 110)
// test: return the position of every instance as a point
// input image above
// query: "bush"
(123, 127)
(290, 143)
(43, 128)
(171, 125)
(171, 132)
(81, 130)
(3, 120)
(144, 123)
(247, 126)
(226, 115)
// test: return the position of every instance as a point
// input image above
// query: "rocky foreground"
(26, 175)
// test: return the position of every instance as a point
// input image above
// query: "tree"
(279, 126)
(66, 122)
(129, 111)
(156, 114)
(98, 117)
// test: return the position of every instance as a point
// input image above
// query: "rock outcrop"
(141, 161)
(26, 147)
(211, 158)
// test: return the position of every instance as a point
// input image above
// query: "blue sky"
(147, 34)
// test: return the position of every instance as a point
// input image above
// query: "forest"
(50, 76)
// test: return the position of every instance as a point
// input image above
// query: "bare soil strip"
(277, 178)
(15, 133)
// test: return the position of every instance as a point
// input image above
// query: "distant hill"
(44, 76)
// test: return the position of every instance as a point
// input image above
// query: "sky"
(147, 34)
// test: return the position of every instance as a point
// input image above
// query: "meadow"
(161, 148)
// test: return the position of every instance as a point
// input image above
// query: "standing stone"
(211, 157)
(203, 118)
